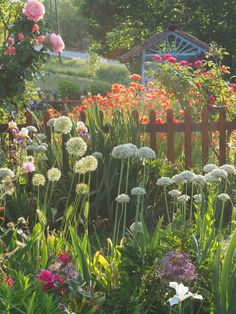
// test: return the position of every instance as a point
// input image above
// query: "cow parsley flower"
(54, 174)
(76, 146)
(228, 168)
(138, 191)
(209, 167)
(223, 197)
(183, 198)
(123, 198)
(63, 125)
(145, 153)
(164, 181)
(187, 175)
(38, 179)
(6, 172)
(124, 151)
(219, 174)
(199, 180)
(174, 193)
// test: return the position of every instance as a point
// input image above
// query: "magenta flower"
(65, 258)
(198, 63)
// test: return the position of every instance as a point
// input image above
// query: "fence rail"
(187, 127)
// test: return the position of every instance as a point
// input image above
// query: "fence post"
(82, 116)
(205, 136)
(28, 118)
(152, 130)
(46, 118)
(188, 138)
(222, 130)
(170, 136)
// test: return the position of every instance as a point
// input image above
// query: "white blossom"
(38, 179)
(123, 198)
(223, 197)
(63, 125)
(182, 293)
(138, 191)
(209, 167)
(76, 146)
(164, 181)
(54, 174)
(228, 168)
(145, 153)
(183, 198)
(174, 193)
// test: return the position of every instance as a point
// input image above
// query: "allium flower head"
(174, 193)
(123, 198)
(97, 155)
(199, 180)
(41, 137)
(38, 179)
(183, 198)
(32, 129)
(178, 179)
(63, 125)
(223, 197)
(54, 174)
(82, 188)
(219, 174)
(138, 191)
(228, 168)
(164, 181)
(76, 146)
(210, 179)
(145, 153)
(209, 167)
(51, 122)
(6, 172)
(136, 227)
(187, 175)
(124, 151)
(86, 164)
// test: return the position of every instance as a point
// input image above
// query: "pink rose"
(167, 56)
(34, 10)
(198, 63)
(11, 50)
(57, 42)
(157, 58)
(35, 28)
(10, 41)
(184, 62)
(172, 60)
(20, 37)
(198, 85)
(41, 39)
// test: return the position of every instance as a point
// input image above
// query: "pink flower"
(167, 56)
(46, 276)
(212, 98)
(65, 258)
(172, 60)
(198, 63)
(9, 281)
(34, 10)
(157, 58)
(10, 41)
(59, 279)
(190, 64)
(35, 28)
(20, 36)
(198, 85)
(11, 50)
(28, 166)
(184, 62)
(233, 86)
(41, 39)
(57, 42)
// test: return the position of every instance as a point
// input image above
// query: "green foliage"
(68, 89)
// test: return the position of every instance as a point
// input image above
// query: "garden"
(115, 196)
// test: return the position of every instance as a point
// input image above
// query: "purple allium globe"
(176, 266)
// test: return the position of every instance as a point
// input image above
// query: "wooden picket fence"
(187, 127)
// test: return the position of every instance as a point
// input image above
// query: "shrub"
(113, 73)
(99, 87)
(68, 89)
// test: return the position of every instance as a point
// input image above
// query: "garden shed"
(179, 44)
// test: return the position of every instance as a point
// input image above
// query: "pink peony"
(20, 36)
(157, 58)
(65, 258)
(57, 43)
(198, 63)
(34, 10)
(28, 166)
(41, 39)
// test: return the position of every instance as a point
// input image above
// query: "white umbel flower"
(197, 198)
(164, 181)
(38, 179)
(97, 155)
(138, 191)
(199, 180)
(209, 167)
(219, 174)
(145, 153)
(228, 168)
(76, 146)
(123, 198)
(86, 164)
(174, 193)
(223, 197)
(63, 125)
(187, 175)
(54, 174)
(6, 172)
(183, 198)
(210, 179)
(124, 151)
(178, 179)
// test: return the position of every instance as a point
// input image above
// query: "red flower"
(190, 64)
(46, 276)
(184, 62)
(65, 258)
(212, 98)
(167, 56)
(135, 77)
(157, 58)
(41, 39)
(59, 279)
(35, 28)
(10, 41)
(9, 281)
(172, 60)
(20, 36)
(159, 121)
(11, 50)
(198, 63)
(233, 86)
(198, 85)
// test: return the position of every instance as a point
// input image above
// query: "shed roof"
(137, 50)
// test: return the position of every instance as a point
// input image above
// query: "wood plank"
(28, 118)
(205, 136)
(188, 138)
(170, 136)
(222, 139)
(46, 118)
(152, 130)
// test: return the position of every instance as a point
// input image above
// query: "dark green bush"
(113, 73)
(68, 89)
(99, 87)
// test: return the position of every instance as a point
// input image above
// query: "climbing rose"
(57, 43)
(34, 10)
(172, 60)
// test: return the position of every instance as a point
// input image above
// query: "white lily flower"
(182, 293)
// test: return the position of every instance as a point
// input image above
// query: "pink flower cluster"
(169, 58)
(49, 279)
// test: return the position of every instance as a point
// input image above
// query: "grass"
(80, 73)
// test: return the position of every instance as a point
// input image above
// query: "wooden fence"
(187, 127)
